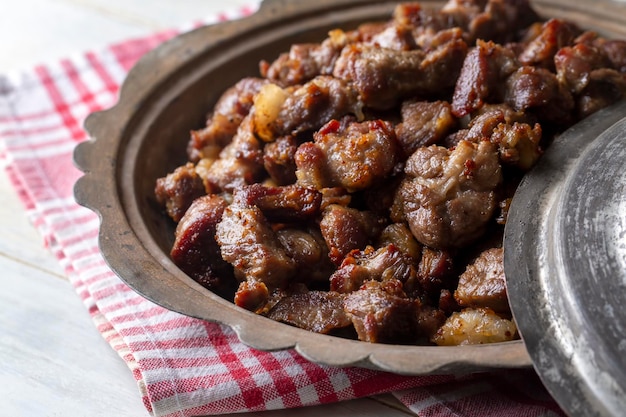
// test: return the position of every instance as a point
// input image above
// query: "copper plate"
(144, 136)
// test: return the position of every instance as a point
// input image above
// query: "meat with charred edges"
(359, 186)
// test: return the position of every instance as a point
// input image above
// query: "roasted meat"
(195, 250)
(248, 242)
(359, 185)
(349, 154)
(483, 283)
(178, 189)
(317, 311)
(475, 326)
(448, 197)
(222, 124)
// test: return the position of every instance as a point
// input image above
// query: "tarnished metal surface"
(565, 262)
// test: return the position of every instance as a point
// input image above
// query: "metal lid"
(565, 263)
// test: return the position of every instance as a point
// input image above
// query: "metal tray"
(565, 263)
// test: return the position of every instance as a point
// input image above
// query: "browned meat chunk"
(222, 124)
(381, 313)
(289, 203)
(317, 311)
(498, 20)
(447, 303)
(398, 36)
(429, 321)
(438, 71)
(252, 295)
(280, 112)
(345, 229)
(479, 19)
(177, 190)
(239, 163)
(306, 61)
(574, 64)
(424, 123)
(315, 103)
(616, 52)
(312, 167)
(365, 32)
(248, 242)
(435, 272)
(606, 86)
(195, 250)
(480, 80)
(409, 13)
(399, 235)
(379, 198)
(465, 14)
(310, 253)
(279, 160)
(537, 91)
(486, 120)
(348, 154)
(434, 40)
(373, 265)
(383, 76)
(425, 22)
(483, 283)
(475, 326)
(335, 195)
(518, 144)
(554, 35)
(449, 196)
(592, 71)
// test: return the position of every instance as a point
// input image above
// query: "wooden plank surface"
(53, 361)
(35, 31)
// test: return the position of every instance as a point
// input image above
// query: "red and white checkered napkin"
(185, 366)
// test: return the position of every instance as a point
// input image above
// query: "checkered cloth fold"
(184, 366)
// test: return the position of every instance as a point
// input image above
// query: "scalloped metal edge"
(541, 303)
(98, 162)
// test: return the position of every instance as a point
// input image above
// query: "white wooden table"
(53, 361)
